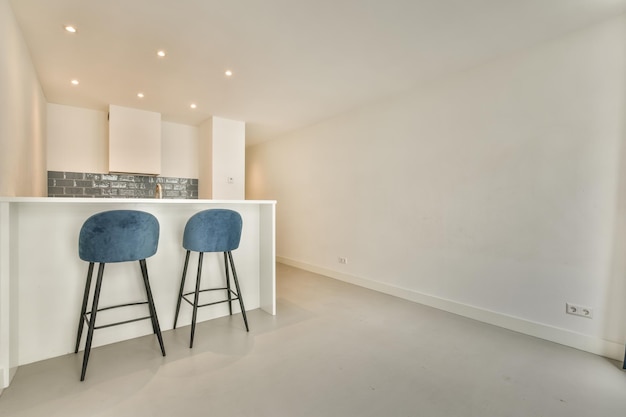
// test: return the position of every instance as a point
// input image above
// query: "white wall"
(78, 142)
(179, 149)
(496, 193)
(22, 115)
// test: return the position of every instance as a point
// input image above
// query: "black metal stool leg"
(196, 299)
(92, 320)
(182, 287)
(153, 313)
(81, 319)
(230, 298)
(144, 275)
(243, 309)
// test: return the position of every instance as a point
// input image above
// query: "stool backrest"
(118, 236)
(214, 230)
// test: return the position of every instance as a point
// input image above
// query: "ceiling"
(294, 62)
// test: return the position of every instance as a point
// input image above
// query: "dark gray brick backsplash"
(84, 184)
(53, 191)
(74, 175)
(56, 174)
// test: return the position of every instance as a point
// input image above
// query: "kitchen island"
(42, 278)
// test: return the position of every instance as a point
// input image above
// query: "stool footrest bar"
(87, 315)
(209, 304)
(138, 303)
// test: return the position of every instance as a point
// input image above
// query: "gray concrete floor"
(333, 350)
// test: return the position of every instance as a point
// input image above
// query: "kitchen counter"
(42, 278)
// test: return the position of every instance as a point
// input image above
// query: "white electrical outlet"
(578, 310)
(342, 260)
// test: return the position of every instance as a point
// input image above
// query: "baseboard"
(565, 337)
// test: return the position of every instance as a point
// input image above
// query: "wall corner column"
(8, 296)
(222, 164)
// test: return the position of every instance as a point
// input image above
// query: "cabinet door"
(134, 141)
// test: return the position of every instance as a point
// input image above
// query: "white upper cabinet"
(134, 141)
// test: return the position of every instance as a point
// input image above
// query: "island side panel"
(51, 276)
(267, 266)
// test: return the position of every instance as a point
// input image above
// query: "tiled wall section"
(81, 184)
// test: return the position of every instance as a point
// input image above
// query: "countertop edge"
(63, 200)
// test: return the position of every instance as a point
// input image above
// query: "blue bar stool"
(215, 230)
(116, 236)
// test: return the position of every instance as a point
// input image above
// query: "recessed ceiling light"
(70, 28)
(193, 105)
(228, 73)
(140, 95)
(161, 53)
(75, 82)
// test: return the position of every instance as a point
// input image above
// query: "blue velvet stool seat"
(116, 236)
(215, 230)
